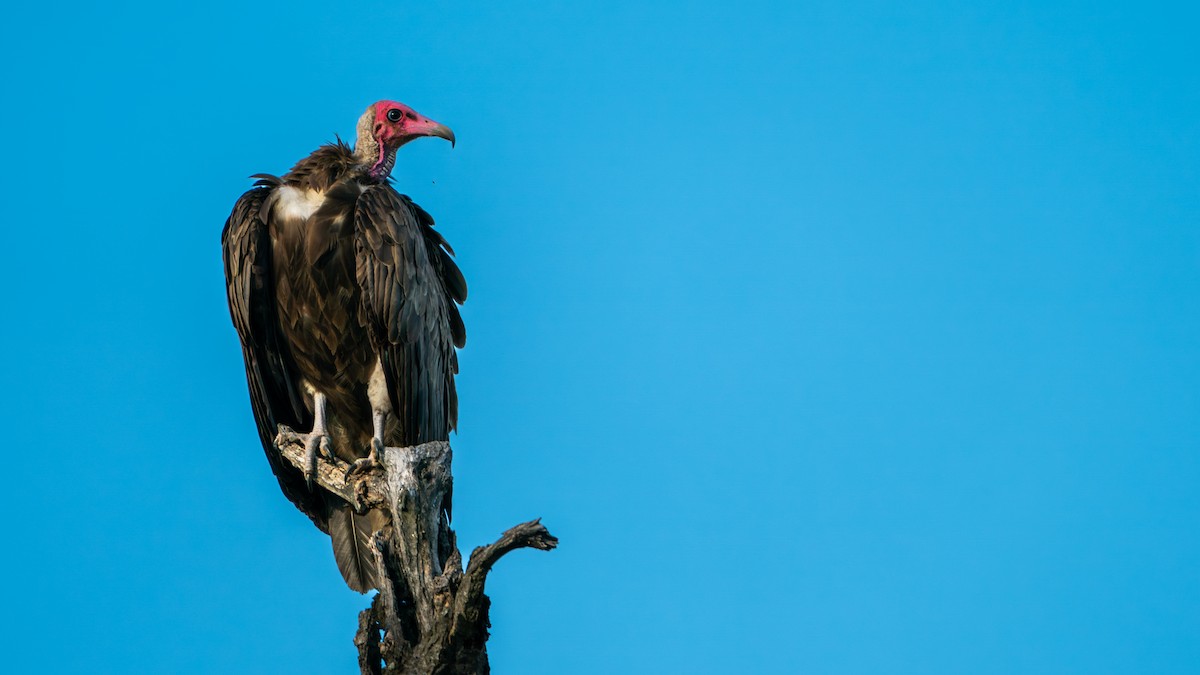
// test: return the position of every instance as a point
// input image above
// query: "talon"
(317, 441)
(364, 465)
(310, 460)
(315, 445)
(371, 462)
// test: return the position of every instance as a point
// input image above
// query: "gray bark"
(430, 616)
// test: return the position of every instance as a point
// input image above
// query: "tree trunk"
(430, 616)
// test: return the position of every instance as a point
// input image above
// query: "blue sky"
(828, 337)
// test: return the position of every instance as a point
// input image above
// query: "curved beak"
(424, 126)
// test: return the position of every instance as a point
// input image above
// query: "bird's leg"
(381, 403)
(317, 441)
(374, 458)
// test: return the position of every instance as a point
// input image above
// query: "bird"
(346, 302)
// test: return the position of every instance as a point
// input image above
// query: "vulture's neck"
(367, 153)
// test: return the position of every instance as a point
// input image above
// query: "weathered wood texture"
(430, 616)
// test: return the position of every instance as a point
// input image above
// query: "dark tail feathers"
(352, 548)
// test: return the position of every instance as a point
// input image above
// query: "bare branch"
(526, 535)
(470, 621)
(365, 491)
(432, 615)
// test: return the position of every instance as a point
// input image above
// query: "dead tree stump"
(430, 616)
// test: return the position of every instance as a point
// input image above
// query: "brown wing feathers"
(410, 287)
(274, 397)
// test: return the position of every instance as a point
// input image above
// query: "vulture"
(345, 300)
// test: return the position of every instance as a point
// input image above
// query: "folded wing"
(411, 292)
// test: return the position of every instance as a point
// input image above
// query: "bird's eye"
(394, 115)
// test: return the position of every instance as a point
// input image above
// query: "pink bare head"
(396, 124)
(387, 125)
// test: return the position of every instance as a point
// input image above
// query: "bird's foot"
(372, 462)
(315, 444)
(358, 471)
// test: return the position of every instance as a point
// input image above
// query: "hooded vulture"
(346, 303)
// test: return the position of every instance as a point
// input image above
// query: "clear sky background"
(828, 337)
